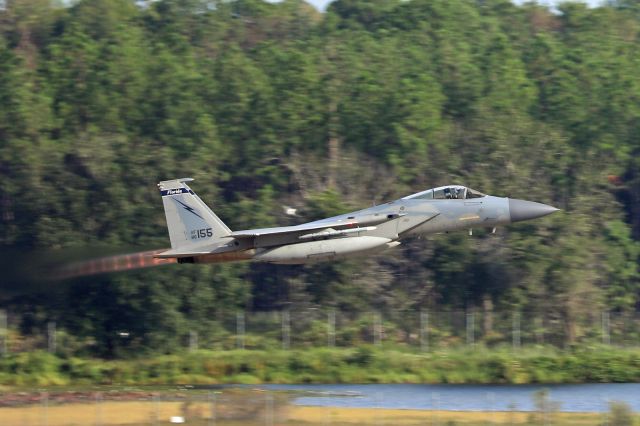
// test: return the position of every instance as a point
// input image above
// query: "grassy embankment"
(366, 364)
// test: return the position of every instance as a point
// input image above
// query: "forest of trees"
(271, 105)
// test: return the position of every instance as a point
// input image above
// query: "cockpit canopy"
(451, 192)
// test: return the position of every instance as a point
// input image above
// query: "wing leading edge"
(305, 227)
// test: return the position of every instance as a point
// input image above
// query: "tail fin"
(189, 219)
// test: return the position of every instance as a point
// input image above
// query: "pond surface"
(571, 398)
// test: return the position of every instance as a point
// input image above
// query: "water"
(572, 398)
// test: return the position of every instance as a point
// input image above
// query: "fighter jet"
(199, 236)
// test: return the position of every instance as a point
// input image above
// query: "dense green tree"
(273, 105)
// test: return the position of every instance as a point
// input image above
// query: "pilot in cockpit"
(454, 193)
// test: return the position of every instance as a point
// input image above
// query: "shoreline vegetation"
(363, 364)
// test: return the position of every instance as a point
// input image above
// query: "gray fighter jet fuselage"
(199, 236)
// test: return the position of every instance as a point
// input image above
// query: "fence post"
(377, 329)
(155, 418)
(516, 330)
(470, 328)
(240, 327)
(4, 332)
(212, 407)
(99, 416)
(331, 328)
(268, 412)
(379, 413)
(539, 324)
(491, 398)
(424, 330)
(51, 336)
(606, 330)
(193, 341)
(327, 416)
(286, 329)
(45, 408)
(435, 403)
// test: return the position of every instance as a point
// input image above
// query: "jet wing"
(336, 225)
(304, 228)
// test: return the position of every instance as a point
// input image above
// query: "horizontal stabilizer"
(196, 251)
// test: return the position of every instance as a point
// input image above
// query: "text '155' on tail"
(190, 221)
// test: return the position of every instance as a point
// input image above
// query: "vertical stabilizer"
(189, 219)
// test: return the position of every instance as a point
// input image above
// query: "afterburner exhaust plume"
(121, 262)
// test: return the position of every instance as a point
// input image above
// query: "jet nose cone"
(525, 210)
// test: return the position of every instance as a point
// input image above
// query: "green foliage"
(100, 99)
(364, 364)
(33, 368)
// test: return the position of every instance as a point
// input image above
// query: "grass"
(364, 364)
(139, 413)
(350, 416)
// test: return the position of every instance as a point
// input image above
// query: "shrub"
(620, 414)
(362, 356)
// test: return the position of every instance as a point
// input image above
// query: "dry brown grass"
(107, 413)
(145, 412)
(353, 416)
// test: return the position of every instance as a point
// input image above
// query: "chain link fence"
(297, 329)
